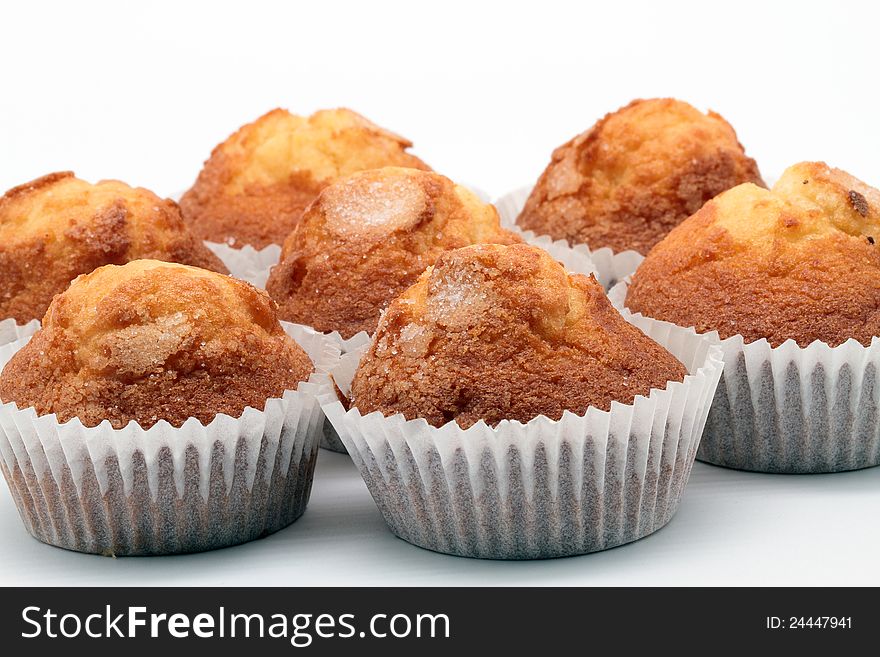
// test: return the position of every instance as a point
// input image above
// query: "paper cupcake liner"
(610, 267)
(356, 343)
(165, 490)
(247, 263)
(546, 488)
(792, 409)
(10, 330)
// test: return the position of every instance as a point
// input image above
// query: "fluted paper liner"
(610, 267)
(166, 490)
(356, 343)
(548, 488)
(791, 409)
(10, 330)
(247, 263)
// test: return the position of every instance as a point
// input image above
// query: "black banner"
(432, 621)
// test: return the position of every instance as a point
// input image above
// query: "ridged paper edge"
(791, 409)
(11, 330)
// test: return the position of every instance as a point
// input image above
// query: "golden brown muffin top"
(799, 261)
(635, 175)
(152, 341)
(57, 227)
(256, 184)
(368, 237)
(497, 332)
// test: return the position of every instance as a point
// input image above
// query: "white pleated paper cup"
(791, 409)
(11, 330)
(547, 488)
(167, 490)
(356, 343)
(610, 267)
(247, 263)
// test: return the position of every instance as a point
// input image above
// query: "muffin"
(256, 184)
(505, 410)
(161, 408)
(57, 227)
(368, 237)
(790, 280)
(797, 262)
(151, 341)
(635, 175)
(505, 333)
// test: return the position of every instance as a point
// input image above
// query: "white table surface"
(732, 528)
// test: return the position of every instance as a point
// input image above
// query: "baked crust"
(57, 227)
(635, 175)
(796, 262)
(367, 238)
(153, 341)
(504, 332)
(256, 184)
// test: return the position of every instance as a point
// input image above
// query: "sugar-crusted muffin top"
(497, 332)
(635, 175)
(799, 261)
(151, 340)
(256, 184)
(57, 227)
(368, 237)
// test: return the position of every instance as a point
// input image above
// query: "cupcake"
(631, 178)
(256, 184)
(368, 237)
(789, 280)
(57, 227)
(161, 408)
(505, 409)
(635, 175)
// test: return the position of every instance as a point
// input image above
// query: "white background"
(143, 91)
